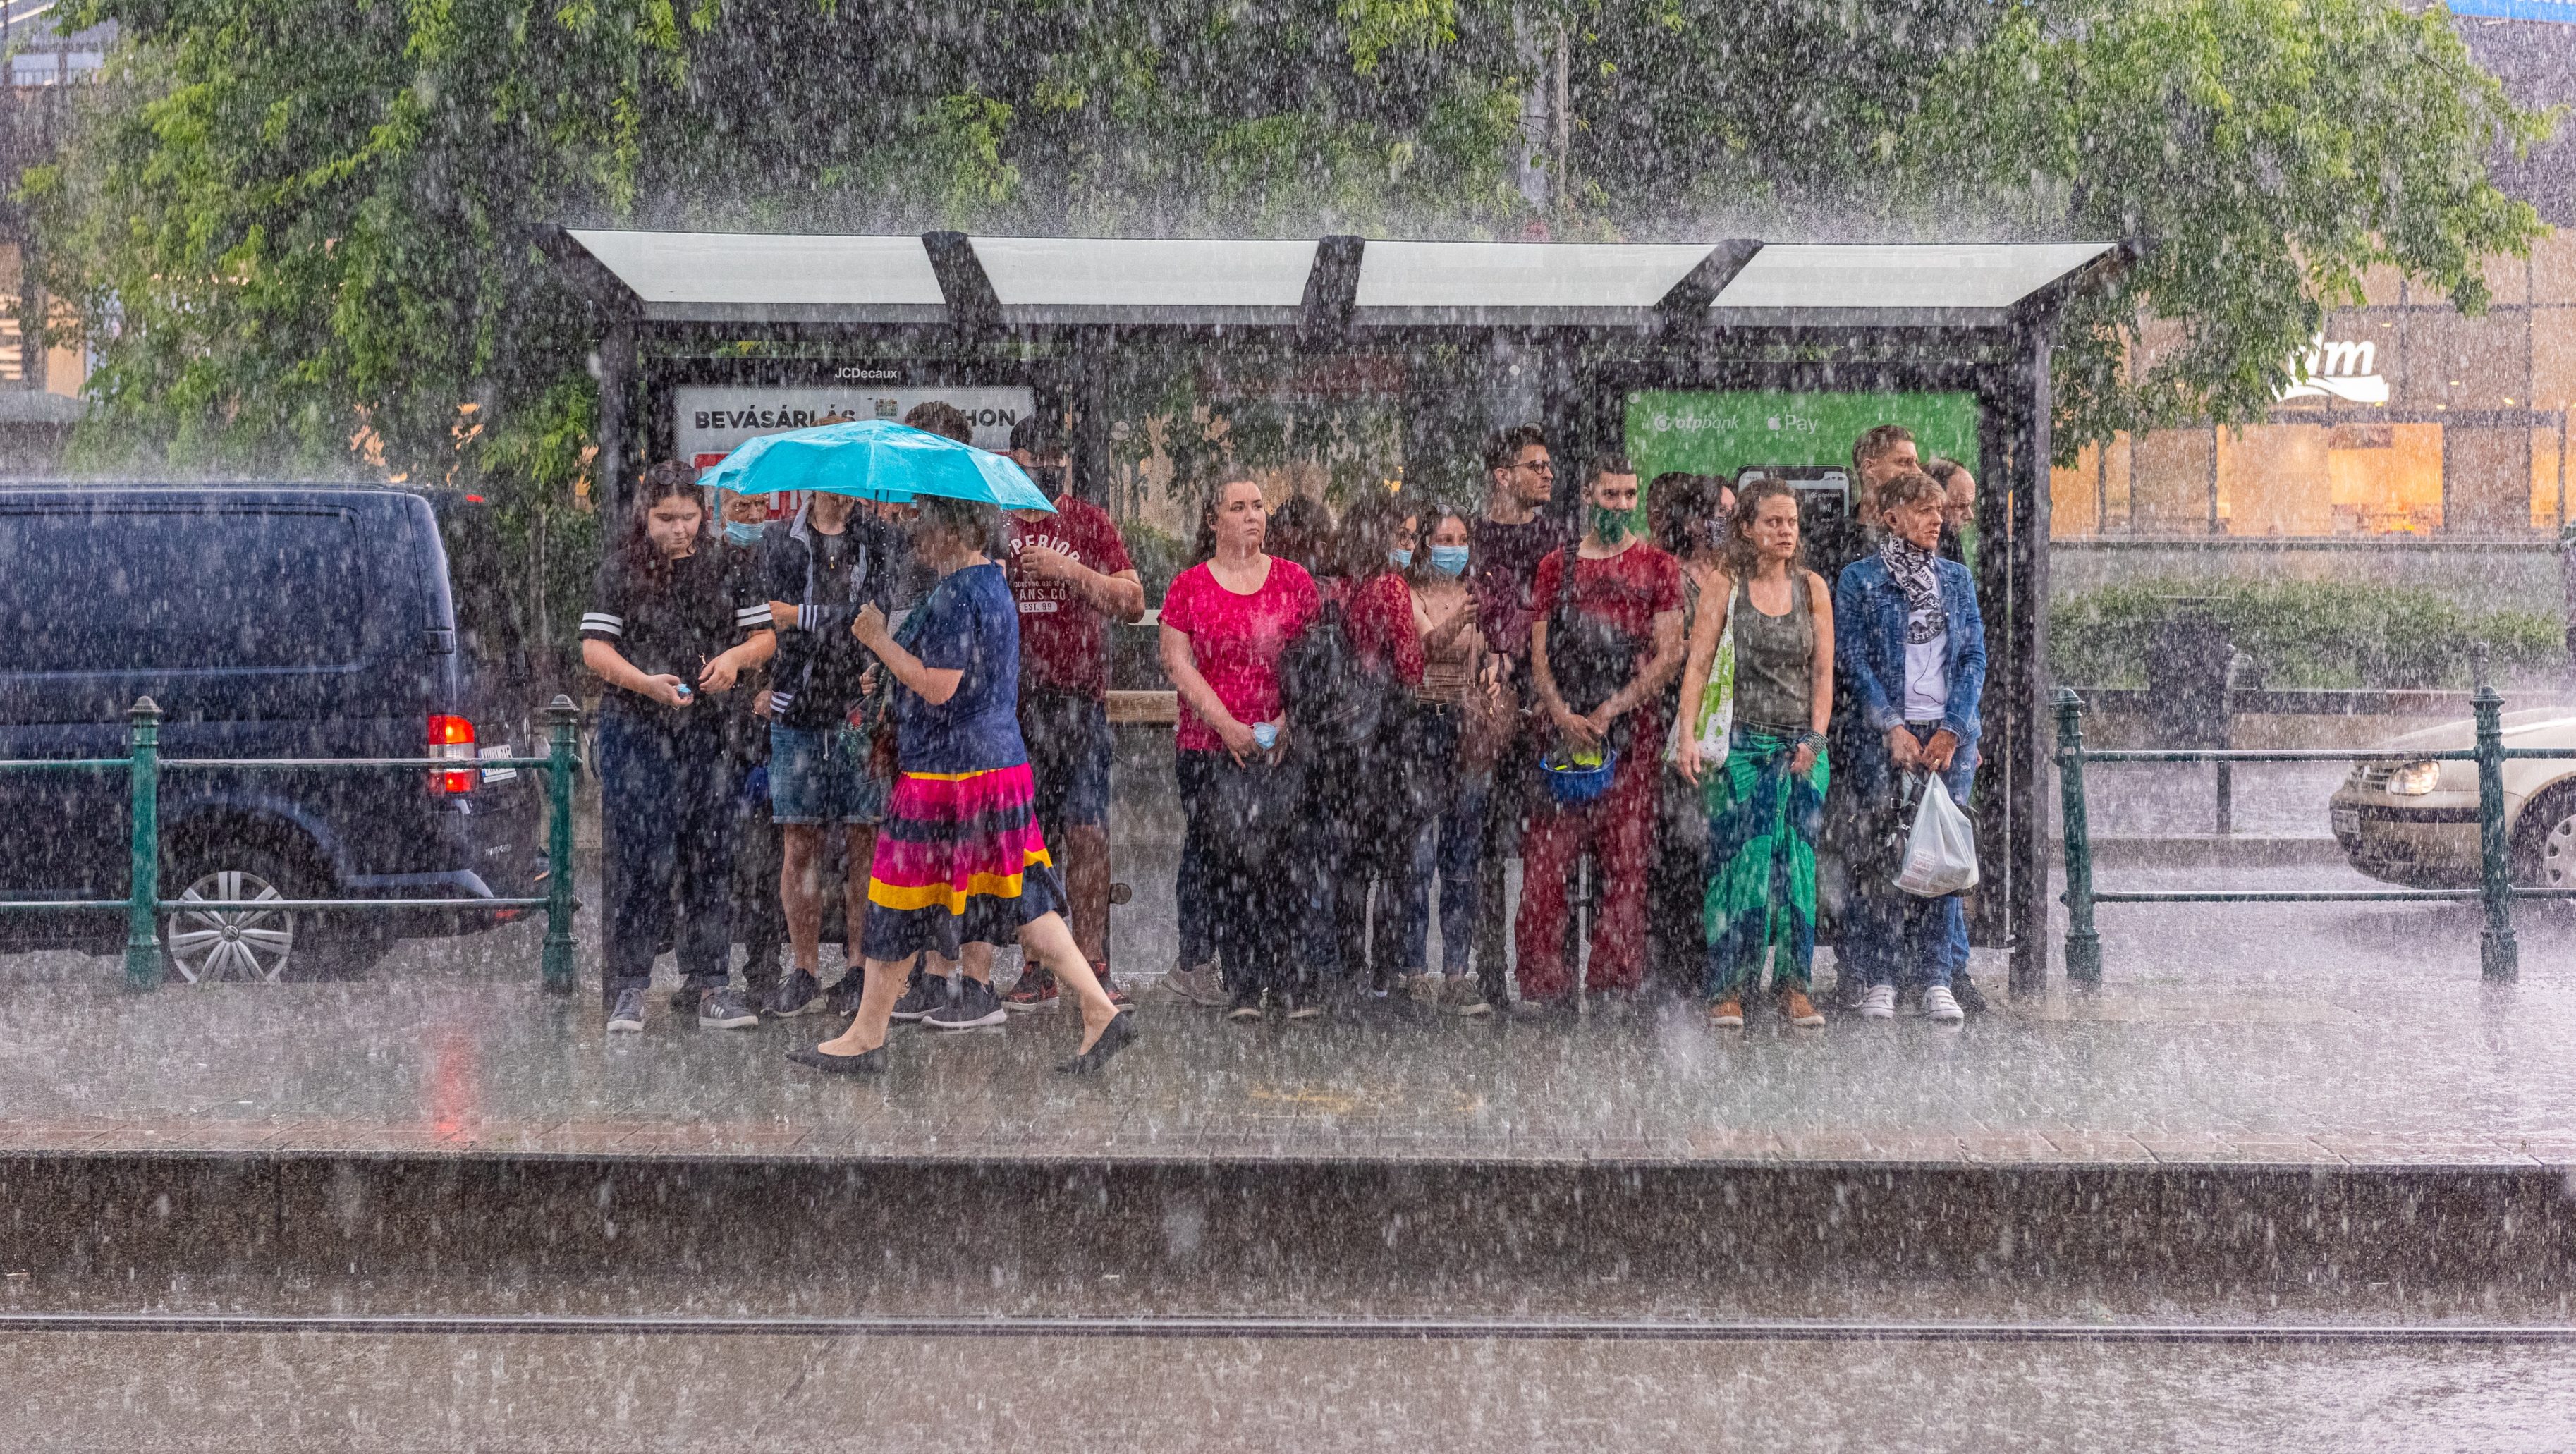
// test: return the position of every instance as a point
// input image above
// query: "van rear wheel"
(254, 945)
(216, 946)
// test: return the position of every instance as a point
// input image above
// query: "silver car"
(2415, 822)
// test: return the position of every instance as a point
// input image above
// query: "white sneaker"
(1938, 1004)
(1880, 1002)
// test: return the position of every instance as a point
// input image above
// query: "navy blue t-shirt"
(970, 623)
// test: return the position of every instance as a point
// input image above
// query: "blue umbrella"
(876, 459)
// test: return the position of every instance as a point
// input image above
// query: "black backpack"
(1334, 698)
(1590, 659)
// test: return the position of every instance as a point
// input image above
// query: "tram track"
(1774, 1330)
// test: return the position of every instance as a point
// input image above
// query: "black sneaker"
(798, 993)
(626, 1017)
(976, 1004)
(1849, 990)
(1969, 997)
(1245, 1007)
(726, 1009)
(925, 995)
(843, 997)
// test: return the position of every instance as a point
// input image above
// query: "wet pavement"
(2302, 1035)
(295, 1392)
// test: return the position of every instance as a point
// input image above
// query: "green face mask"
(1611, 525)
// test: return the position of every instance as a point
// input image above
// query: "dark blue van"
(267, 621)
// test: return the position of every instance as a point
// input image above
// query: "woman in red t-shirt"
(1224, 623)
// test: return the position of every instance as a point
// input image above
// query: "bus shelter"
(1716, 357)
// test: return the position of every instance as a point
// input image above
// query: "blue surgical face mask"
(1449, 560)
(1400, 559)
(745, 532)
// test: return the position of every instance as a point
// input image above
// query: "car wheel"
(216, 946)
(2544, 842)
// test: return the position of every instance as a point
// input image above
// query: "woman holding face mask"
(1225, 623)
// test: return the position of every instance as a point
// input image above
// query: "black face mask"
(1049, 478)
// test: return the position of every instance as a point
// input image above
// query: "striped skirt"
(959, 859)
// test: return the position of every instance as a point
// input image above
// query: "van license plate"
(2347, 822)
(500, 774)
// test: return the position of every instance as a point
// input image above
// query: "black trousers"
(759, 916)
(666, 830)
(1246, 880)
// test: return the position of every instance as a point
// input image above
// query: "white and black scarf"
(1910, 566)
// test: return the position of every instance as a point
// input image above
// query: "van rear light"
(452, 737)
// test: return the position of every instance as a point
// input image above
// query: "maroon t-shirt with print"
(1064, 643)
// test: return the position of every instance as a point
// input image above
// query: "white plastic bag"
(1716, 714)
(1941, 852)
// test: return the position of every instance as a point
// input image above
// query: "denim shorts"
(821, 776)
(1067, 737)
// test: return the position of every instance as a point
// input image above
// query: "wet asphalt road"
(298, 1392)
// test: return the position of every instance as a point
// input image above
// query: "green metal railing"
(2499, 956)
(144, 906)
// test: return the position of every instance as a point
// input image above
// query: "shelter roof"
(717, 277)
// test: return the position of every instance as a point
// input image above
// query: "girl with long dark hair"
(671, 618)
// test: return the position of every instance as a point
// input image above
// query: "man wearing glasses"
(1505, 546)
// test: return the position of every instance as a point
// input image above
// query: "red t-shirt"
(1378, 614)
(1064, 643)
(1236, 641)
(1628, 590)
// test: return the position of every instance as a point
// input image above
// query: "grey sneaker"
(976, 1004)
(797, 994)
(925, 995)
(726, 1009)
(1196, 985)
(626, 1017)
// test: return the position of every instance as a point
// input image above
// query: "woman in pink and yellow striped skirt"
(960, 858)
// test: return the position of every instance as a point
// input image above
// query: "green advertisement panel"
(1708, 432)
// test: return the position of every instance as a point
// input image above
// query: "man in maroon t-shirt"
(1607, 638)
(1505, 545)
(1070, 573)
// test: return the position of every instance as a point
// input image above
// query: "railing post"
(562, 721)
(2499, 957)
(143, 893)
(2083, 945)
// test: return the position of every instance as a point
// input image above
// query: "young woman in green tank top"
(1767, 800)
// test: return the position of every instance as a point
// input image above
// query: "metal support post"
(563, 719)
(143, 895)
(2499, 958)
(2083, 945)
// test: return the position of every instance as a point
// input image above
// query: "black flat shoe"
(1113, 1038)
(866, 1062)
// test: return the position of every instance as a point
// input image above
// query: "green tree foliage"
(306, 235)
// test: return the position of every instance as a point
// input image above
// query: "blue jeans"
(666, 818)
(1451, 845)
(1889, 936)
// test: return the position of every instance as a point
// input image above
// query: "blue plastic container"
(1570, 784)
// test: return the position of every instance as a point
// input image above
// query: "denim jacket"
(1869, 647)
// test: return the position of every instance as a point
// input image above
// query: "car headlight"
(2414, 780)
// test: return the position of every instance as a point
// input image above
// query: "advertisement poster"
(1801, 436)
(710, 420)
